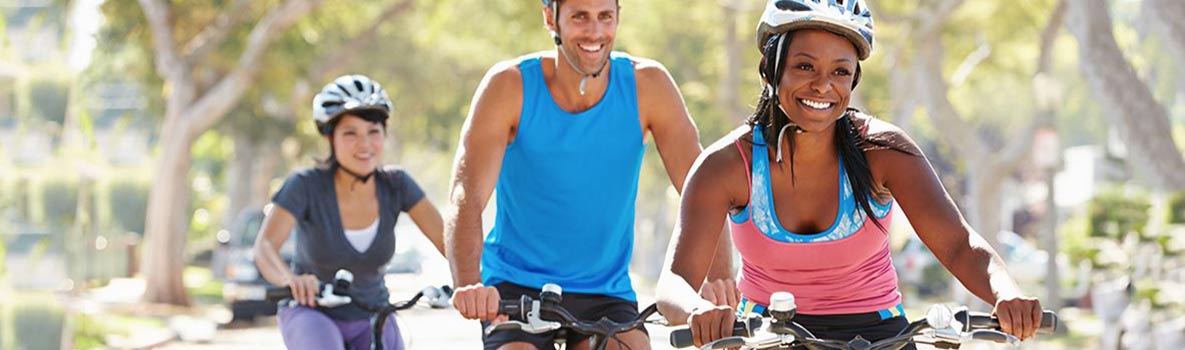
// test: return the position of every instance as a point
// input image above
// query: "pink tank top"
(845, 269)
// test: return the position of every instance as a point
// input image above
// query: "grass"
(202, 286)
(91, 331)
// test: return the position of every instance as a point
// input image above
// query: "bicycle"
(545, 314)
(338, 293)
(936, 329)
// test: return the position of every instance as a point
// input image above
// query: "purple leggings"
(308, 329)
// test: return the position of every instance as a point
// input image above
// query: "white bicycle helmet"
(849, 18)
(348, 93)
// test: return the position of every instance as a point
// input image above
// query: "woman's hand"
(1019, 316)
(721, 292)
(305, 289)
(711, 323)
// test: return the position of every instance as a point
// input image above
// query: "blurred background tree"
(191, 111)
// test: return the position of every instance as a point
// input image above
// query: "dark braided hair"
(850, 140)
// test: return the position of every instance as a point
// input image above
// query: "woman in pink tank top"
(806, 187)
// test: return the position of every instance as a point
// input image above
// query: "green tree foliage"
(1114, 213)
(431, 57)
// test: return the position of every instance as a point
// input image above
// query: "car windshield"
(250, 230)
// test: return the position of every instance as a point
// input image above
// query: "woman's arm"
(716, 179)
(276, 229)
(428, 219)
(957, 246)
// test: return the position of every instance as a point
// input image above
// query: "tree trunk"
(902, 100)
(187, 116)
(168, 222)
(265, 169)
(240, 177)
(1168, 15)
(983, 201)
(986, 167)
(1141, 122)
(730, 83)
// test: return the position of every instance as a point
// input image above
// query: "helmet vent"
(358, 85)
(787, 5)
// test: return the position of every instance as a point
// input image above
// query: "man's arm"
(665, 114)
(487, 130)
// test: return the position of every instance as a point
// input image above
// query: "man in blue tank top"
(560, 135)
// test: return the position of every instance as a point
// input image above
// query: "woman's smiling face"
(358, 143)
(816, 82)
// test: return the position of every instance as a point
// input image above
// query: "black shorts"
(583, 306)
(847, 327)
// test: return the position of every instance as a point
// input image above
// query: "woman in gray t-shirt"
(343, 212)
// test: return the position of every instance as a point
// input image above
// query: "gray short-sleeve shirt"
(321, 245)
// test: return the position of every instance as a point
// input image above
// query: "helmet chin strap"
(586, 75)
(559, 45)
(782, 133)
(357, 177)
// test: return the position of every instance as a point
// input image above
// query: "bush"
(59, 202)
(1115, 212)
(48, 99)
(38, 324)
(129, 204)
(1176, 208)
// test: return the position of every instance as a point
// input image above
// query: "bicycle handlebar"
(338, 293)
(532, 311)
(681, 338)
(972, 320)
(786, 333)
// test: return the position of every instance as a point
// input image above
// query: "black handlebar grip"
(274, 294)
(512, 308)
(681, 338)
(979, 320)
(1049, 322)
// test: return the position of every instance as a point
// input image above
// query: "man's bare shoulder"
(503, 75)
(649, 70)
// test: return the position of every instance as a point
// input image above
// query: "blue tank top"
(566, 192)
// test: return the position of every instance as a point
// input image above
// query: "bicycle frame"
(338, 293)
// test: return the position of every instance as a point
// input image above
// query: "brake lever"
(768, 341)
(534, 324)
(438, 297)
(328, 299)
(994, 336)
(505, 326)
(773, 341)
(724, 343)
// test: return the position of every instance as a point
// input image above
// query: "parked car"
(243, 287)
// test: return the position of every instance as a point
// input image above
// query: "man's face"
(587, 28)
